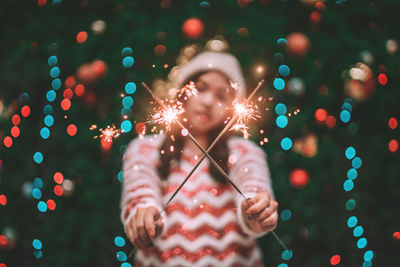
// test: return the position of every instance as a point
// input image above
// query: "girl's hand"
(260, 212)
(144, 226)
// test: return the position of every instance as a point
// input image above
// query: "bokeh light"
(279, 84)
(126, 126)
(128, 62)
(350, 152)
(42, 206)
(320, 115)
(130, 88)
(38, 157)
(37, 244)
(393, 145)
(65, 104)
(335, 260)
(350, 204)
(392, 123)
(51, 204)
(286, 143)
(352, 221)
(72, 129)
(348, 185)
(58, 177)
(119, 241)
(81, 37)
(121, 256)
(280, 109)
(8, 141)
(362, 243)
(25, 111)
(358, 231)
(281, 121)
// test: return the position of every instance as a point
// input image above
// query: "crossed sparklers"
(237, 115)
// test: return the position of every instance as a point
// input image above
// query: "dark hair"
(219, 153)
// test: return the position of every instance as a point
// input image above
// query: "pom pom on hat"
(212, 60)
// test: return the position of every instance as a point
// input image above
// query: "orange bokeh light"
(72, 130)
(16, 119)
(68, 93)
(81, 37)
(65, 104)
(15, 131)
(58, 177)
(393, 145)
(58, 190)
(8, 141)
(51, 204)
(320, 115)
(79, 89)
(25, 111)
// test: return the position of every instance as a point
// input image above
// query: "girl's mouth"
(203, 116)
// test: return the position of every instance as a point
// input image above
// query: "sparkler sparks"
(169, 113)
(108, 134)
(245, 112)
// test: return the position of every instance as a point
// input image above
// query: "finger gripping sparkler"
(206, 153)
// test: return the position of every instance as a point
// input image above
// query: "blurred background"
(69, 69)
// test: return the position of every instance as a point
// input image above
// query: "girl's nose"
(208, 98)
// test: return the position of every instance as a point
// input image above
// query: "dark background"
(81, 229)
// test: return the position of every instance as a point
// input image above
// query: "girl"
(208, 223)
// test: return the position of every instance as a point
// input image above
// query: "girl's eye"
(221, 97)
(200, 88)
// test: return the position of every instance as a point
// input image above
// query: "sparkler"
(168, 114)
(108, 134)
(244, 112)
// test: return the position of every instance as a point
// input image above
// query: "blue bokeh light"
(56, 84)
(45, 132)
(38, 157)
(128, 62)
(352, 221)
(345, 116)
(130, 88)
(119, 241)
(37, 244)
(51, 95)
(280, 109)
(348, 185)
(281, 121)
(279, 84)
(52, 61)
(284, 70)
(352, 174)
(356, 162)
(286, 143)
(350, 152)
(126, 126)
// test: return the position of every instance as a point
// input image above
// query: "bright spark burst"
(245, 112)
(188, 90)
(108, 134)
(174, 108)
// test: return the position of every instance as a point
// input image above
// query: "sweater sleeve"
(250, 172)
(141, 185)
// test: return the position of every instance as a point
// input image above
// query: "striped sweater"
(203, 225)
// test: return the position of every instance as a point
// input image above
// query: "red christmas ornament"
(298, 44)
(299, 178)
(193, 28)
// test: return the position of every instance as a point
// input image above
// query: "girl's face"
(210, 108)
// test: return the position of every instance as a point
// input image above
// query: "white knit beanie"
(212, 60)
